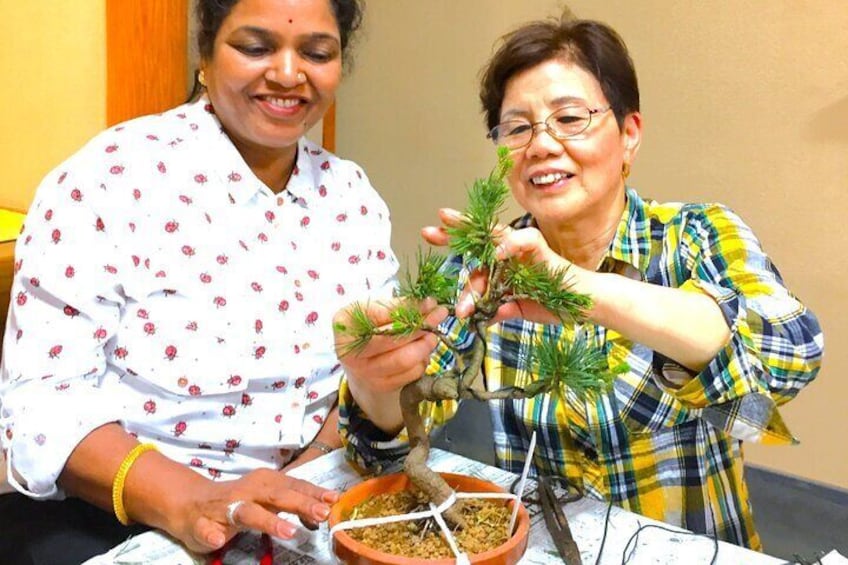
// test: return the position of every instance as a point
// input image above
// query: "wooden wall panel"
(328, 133)
(146, 57)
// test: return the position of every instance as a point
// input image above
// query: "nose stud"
(301, 77)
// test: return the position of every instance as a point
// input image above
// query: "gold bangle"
(120, 479)
(321, 446)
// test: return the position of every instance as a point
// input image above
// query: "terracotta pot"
(352, 552)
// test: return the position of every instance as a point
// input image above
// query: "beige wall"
(743, 102)
(53, 90)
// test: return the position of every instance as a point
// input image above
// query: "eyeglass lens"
(563, 123)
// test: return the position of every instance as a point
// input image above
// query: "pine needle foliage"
(406, 320)
(360, 330)
(558, 364)
(474, 237)
(435, 279)
(576, 365)
(549, 288)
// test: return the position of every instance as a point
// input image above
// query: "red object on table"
(267, 551)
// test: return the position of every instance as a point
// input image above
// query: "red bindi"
(291, 21)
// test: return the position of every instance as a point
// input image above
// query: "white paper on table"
(585, 517)
(834, 558)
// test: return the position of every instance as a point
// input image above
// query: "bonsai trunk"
(415, 465)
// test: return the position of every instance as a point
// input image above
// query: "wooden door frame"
(146, 57)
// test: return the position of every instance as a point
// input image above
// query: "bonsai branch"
(557, 362)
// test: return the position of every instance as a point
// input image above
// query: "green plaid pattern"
(651, 446)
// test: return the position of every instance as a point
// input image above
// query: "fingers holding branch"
(477, 284)
(375, 322)
(527, 245)
(384, 363)
(438, 235)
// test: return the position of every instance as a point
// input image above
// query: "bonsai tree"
(556, 365)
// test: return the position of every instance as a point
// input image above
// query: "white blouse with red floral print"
(160, 284)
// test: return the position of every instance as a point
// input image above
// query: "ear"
(631, 136)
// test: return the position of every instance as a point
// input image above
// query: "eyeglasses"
(566, 122)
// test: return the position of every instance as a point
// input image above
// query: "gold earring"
(625, 170)
(201, 78)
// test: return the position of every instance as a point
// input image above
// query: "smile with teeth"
(281, 102)
(550, 178)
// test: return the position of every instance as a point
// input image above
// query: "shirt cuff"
(731, 389)
(368, 448)
(42, 426)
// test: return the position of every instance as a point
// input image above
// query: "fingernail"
(311, 526)
(330, 496)
(286, 530)
(321, 510)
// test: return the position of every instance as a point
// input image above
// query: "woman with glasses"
(682, 293)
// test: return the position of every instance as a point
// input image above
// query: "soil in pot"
(488, 517)
(486, 520)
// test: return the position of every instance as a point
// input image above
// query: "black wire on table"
(797, 559)
(606, 528)
(625, 558)
(634, 539)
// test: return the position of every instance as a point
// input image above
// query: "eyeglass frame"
(550, 131)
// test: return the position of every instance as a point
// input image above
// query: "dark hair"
(593, 46)
(212, 13)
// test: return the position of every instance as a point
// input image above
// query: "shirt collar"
(241, 183)
(307, 174)
(631, 244)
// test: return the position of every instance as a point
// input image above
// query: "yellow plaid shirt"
(664, 443)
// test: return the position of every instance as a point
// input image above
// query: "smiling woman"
(169, 350)
(270, 79)
(683, 297)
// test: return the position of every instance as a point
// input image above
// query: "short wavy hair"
(593, 46)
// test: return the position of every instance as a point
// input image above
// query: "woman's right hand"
(202, 525)
(168, 495)
(376, 374)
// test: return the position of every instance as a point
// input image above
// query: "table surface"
(586, 519)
